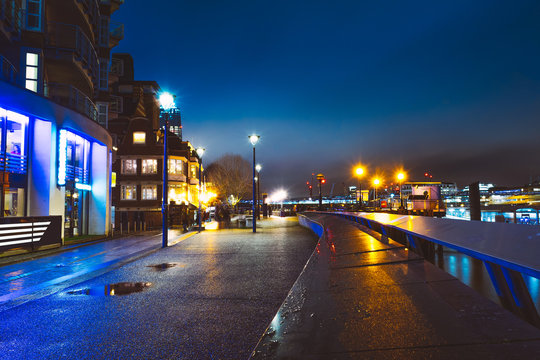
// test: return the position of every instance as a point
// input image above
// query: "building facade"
(55, 156)
(137, 193)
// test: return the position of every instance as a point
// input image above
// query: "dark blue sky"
(451, 87)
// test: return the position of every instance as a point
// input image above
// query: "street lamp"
(400, 177)
(258, 168)
(359, 172)
(322, 180)
(376, 183)
(253, 139)
(200, 152)
(166, 101)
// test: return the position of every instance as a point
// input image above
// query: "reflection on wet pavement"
(164, 266)
(118, 289)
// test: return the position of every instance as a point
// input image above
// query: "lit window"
(32, 63)
(149, 192)
(139, 137)
(129, 192)
(129, 166)
(175, 167)
(149, 166)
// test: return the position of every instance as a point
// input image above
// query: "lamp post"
(167, 103)
(253, 139)
(376, 182)
(322, 180)
(258, 167)
(200, 152)
(400, 177)
(359, 172)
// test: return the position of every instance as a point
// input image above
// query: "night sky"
(450, 87)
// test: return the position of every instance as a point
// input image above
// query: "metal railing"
(91, 10)
(67, 39)
(11, 16)
(30, 233)
(116, 31)
(507, 250)
(13, 163)
(8, 72)
(72, 98)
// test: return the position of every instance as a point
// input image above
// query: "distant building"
(56, 157)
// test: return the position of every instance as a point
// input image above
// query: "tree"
(231, 176)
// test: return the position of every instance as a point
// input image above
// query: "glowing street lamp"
(200, 153)
(258, 168)
(166, 101)
(254, 139)
(359, 171)
(400, 177)
(322, 180)
(376, 183)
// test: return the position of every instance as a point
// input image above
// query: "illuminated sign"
(139, 137)
(62, 157)
(83, 186)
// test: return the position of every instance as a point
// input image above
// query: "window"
(129, 166)
(149, 192)
(14, 202)
(129, 192)
(103, 114)
(103, 74)
(33, 15)
(32, 67)
(117, 66)
(149, 166)
(104, 31)
(175, 166)
(194, 171)
(117, 104)
(139, 137)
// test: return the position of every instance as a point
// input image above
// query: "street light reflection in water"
(118, 289)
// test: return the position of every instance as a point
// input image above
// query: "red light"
(310, 186)
(307, 182)
(323, 181)
(426, 174)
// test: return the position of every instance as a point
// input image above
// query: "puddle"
(118, 289)
(164, 266)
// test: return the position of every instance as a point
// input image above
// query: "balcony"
(72, 98)
(91, 10)
(115, 4)
(11, 18)
(8, 72)
(116, 33)
(177, 177)
(68, 42)
(193, 181)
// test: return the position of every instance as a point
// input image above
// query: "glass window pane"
(31, 85)
(14, 202)
(31, 72)
(32, 59)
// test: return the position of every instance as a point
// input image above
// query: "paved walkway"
(210, 296)
(362, 298)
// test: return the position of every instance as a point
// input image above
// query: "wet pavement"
(209, 296)
(362, 296)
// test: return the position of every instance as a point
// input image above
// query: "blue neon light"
(62, 157)
(83, 186)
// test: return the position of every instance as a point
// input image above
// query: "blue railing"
(13, 163)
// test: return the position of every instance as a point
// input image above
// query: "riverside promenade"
(361, 296)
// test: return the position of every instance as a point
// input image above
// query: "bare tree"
(231, 177)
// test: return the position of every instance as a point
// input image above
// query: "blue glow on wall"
(62, 157)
